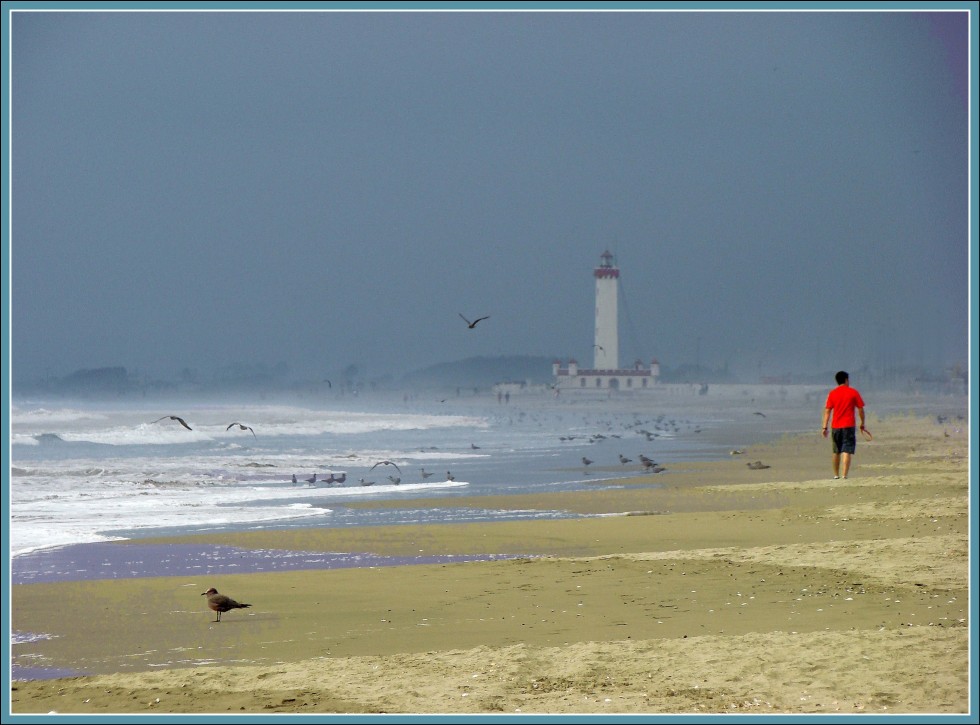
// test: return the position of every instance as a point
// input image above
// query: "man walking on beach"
(843, 401)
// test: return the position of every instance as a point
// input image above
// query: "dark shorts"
(845, 440)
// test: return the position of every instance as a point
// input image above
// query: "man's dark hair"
(841, 377)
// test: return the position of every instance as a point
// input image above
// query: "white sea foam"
(83, 475)
(98, 472)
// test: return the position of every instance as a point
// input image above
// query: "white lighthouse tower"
(606, 375)
(606, 314)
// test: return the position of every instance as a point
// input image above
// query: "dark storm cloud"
(781, 190)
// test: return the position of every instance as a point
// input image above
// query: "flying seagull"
(473, 324)
(174, 417)
(758, 413)
(386, 463)
(242, 426)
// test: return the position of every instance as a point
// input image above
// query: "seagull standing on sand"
(176, 418)
(624, 460)
(220, 603)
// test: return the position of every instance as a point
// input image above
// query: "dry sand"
(726, 591)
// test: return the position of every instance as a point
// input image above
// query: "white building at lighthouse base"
(639, 377)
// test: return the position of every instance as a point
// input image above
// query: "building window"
(581, 382)
(598, 382)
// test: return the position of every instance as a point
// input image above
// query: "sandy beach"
(726, 590)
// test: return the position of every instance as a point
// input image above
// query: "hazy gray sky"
(783, 191)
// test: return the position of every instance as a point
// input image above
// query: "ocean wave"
(62, 415)
(214, 426)
(48, 438)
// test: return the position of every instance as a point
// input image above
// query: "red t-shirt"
(843, 400)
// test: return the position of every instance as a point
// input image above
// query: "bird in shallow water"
(176, 418)
(757, 465)
(425, 474)
(648, 462)
(220, 603)
(624, 460)
(586, 461)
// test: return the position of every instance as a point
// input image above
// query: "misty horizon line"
(479, 372)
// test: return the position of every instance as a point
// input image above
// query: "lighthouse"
(606, 375)
(606, 346)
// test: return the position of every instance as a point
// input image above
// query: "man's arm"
(826, 419)
(861, 414)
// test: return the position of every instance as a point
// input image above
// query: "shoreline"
(629, 609)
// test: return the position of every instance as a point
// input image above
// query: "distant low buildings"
(638, 377)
